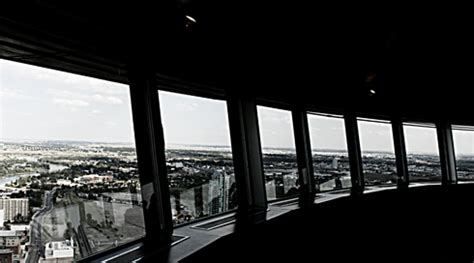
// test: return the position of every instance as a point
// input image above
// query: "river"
(9, 179)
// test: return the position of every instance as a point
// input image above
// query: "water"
(7, 180)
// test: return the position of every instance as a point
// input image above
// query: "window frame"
(423, 124)
(335, 115)
(205, 95)
(391, 127)
(289, 108)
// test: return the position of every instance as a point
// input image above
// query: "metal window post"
(446, 153)
(355, 156)
(151, 155)
(400, 153)
(304, 156)
(247, 156)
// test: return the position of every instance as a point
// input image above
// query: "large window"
(329, 150)
(422, 152)
(378, 154)
(279, 153)
(464, 149)
(198, 156)
(68, 167)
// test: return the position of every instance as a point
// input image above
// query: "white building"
(58, 252)
(10, 239)
(20, 227)
(13, 207)
(94, 178)
(2, 217)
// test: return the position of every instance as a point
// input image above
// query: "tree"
(18, 218)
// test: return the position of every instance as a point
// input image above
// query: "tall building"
(198, 202)
(218, 197)
(279, 185)
(270, 189)
(334, 163)
(13, 207)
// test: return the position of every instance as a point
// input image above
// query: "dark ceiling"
(417, 60)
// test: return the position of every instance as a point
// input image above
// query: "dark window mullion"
(355, 156)
(151, 156)
(400, 153)
(303, 155)
(247, 154)
(446, 153)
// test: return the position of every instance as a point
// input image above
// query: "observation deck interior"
(400, 66)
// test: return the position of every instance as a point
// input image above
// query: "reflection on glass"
(198, 155)
(68, 167)
(464, 149)
(279, 154)
(329, 148)
(378, 154)
(422, 152)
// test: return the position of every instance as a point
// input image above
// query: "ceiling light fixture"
(191, 19)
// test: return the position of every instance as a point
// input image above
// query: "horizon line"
(199, 145)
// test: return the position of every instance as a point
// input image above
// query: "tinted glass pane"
(329, 148)
(378, 154)
(198, 155)
(279, 154)
(422, 153)
(68, 167)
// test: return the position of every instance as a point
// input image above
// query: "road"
(36, 248)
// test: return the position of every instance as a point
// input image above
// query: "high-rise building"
(13, 207)
(334, 163)
(218, 197)
(279, 185)
(270, 189)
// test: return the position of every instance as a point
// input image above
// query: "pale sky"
(276, 128)
(327, 133)
(421, 140)
(375, 136)
(43, 104)
(194, 120)
(463, 142)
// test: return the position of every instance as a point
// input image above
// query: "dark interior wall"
(425, 224)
